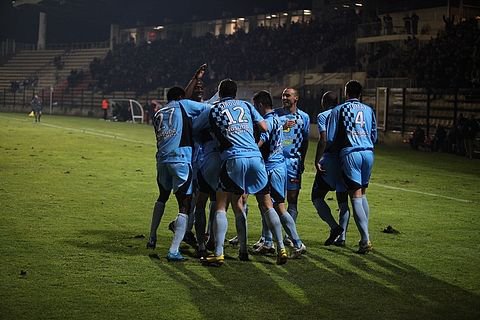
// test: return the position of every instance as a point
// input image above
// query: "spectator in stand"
(388, 24)
(471, 130)
(418, 138)
(460, 131)
(414, 19)
(439, 139)
(105, 108)
(407, 20)
(451, 140)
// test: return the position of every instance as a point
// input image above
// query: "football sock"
(366, 207)
(266, 233)
(324, 212)
(200, 223)
(292, 209)
(180, 227)
(241, 224)
(290, 228)
(275, 226)
(220, 229)
(158, 210)
(344, 217)
(191, 219)
(361, 220)
(211, 216)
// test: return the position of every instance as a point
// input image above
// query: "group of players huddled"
(225, 149)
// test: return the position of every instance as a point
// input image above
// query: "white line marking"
(96, 133)
(411, 191)
(112, 136)
(421, 192)
(87, 131)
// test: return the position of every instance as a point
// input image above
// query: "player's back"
(173, 129)
(352, 127)
(232, 123)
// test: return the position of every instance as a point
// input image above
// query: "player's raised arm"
(195, 79)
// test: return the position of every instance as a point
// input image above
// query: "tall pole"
(42, 31)
(51, 98)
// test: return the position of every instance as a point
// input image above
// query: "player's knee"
(164, 195)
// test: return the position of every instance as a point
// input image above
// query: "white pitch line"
(87, 131)
(111, 136)
(412, 191)
(96, 133)
(421, 192)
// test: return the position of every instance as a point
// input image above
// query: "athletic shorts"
(176, 176)
(333, 173)
(277, 183)
(208, 172)
(294, 176)
(357, 168)
(243, 175)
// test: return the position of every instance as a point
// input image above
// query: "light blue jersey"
(322, 120)
(173, 130)
(232, 123)
(351, 127)
(294, 136)
(272, 147)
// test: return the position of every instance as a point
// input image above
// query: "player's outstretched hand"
(201, 71)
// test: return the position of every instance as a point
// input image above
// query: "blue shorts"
(294, 176)
(333, 173)
(209, 170)
(176, 176)
(357, 168)
(277, 183)
(243, 175)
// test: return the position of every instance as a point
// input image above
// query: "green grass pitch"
(75, 193)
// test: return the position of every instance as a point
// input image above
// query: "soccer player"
(207, 176)
(328, 178)
(193, 91)
(243, 171)
(352, 131)
(36, 104)
(296, 126)
(173, 130)
(270, 144)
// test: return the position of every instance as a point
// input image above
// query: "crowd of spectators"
(259, 54)
(30, 82)
(460, 139)
(74, 77)
(451, 60)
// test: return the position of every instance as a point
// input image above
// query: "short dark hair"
(353, 89)
(329, 99)
(175, 93)
(227, 88)
(264, 98)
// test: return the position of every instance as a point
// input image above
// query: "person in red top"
(105, 108)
